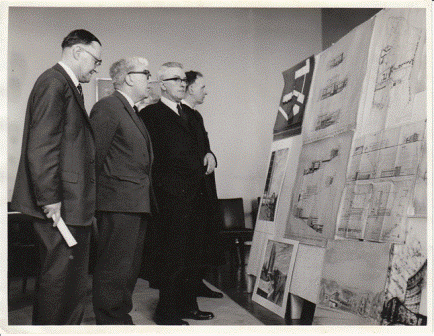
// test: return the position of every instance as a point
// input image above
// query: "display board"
(358, 203)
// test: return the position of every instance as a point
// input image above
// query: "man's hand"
(53, 211)
(209, 161)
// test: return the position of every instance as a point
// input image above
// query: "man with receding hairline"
(180, 232)
(56, 179)
(124, 191)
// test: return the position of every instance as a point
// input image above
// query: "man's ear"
(75, 51)
(190, 90)
(162, 86)
(128, 80)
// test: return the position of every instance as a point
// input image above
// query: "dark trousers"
(178, 296)
(178, 291)
(120, 249)
(61, 287)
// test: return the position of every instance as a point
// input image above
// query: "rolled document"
(64, 231)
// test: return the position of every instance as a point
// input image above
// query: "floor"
(238, 287)
(227, 310)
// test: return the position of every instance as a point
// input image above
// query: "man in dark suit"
(182, 233)
(56, 179)
(195, 93)
(124, 159)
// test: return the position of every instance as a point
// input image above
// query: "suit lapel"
(74, 89)
(61, 70)
(137, 121)
(172, 115)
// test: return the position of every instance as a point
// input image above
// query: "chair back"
(232, 213)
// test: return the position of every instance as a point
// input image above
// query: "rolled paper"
(64, 231)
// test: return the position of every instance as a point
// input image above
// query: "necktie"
(80, 90)
(181, 112)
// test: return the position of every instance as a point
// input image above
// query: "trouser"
(120, 250)
(178, 296)
(62, 285)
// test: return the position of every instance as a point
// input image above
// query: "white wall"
(241, 52)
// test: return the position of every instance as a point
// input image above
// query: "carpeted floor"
(226, 311)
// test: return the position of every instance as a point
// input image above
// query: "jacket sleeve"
(205, 133)
(46, 131)
(104, 128)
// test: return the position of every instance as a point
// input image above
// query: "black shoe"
(197, 314)
(164, 320)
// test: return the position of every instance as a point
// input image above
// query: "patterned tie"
(80, 90)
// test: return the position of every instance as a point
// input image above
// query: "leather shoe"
(164, 320)
(197, 314)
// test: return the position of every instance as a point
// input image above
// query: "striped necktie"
(80, 90)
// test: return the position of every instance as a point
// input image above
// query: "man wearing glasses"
(56, 179)
(123, 168)
(178, 233)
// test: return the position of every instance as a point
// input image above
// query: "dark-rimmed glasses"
(176, 79)
(96, 59)
(147, 73)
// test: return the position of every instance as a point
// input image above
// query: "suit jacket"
(179, 151)
(187, 218)
(124, 156)
(57, 161)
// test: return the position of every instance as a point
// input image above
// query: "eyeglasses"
(177, 80)
(97, 60)
(147, 73)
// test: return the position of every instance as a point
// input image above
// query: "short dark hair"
(191, 77)
(79, 36)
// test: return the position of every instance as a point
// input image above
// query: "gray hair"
(120, 69)
(166, 66)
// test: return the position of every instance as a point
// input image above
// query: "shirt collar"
(171, 104)
(126, 97)
(186, 103)
(70, 73)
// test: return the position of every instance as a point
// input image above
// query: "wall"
(337, 22)
(242, 53)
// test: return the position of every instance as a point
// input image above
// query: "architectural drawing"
(396, 68)
(353, 278)
(274, 278)
(274, 180)
(337, 86)
(380, 183)
(318, 188)
(407, 278)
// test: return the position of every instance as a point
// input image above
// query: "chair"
(233, 232)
